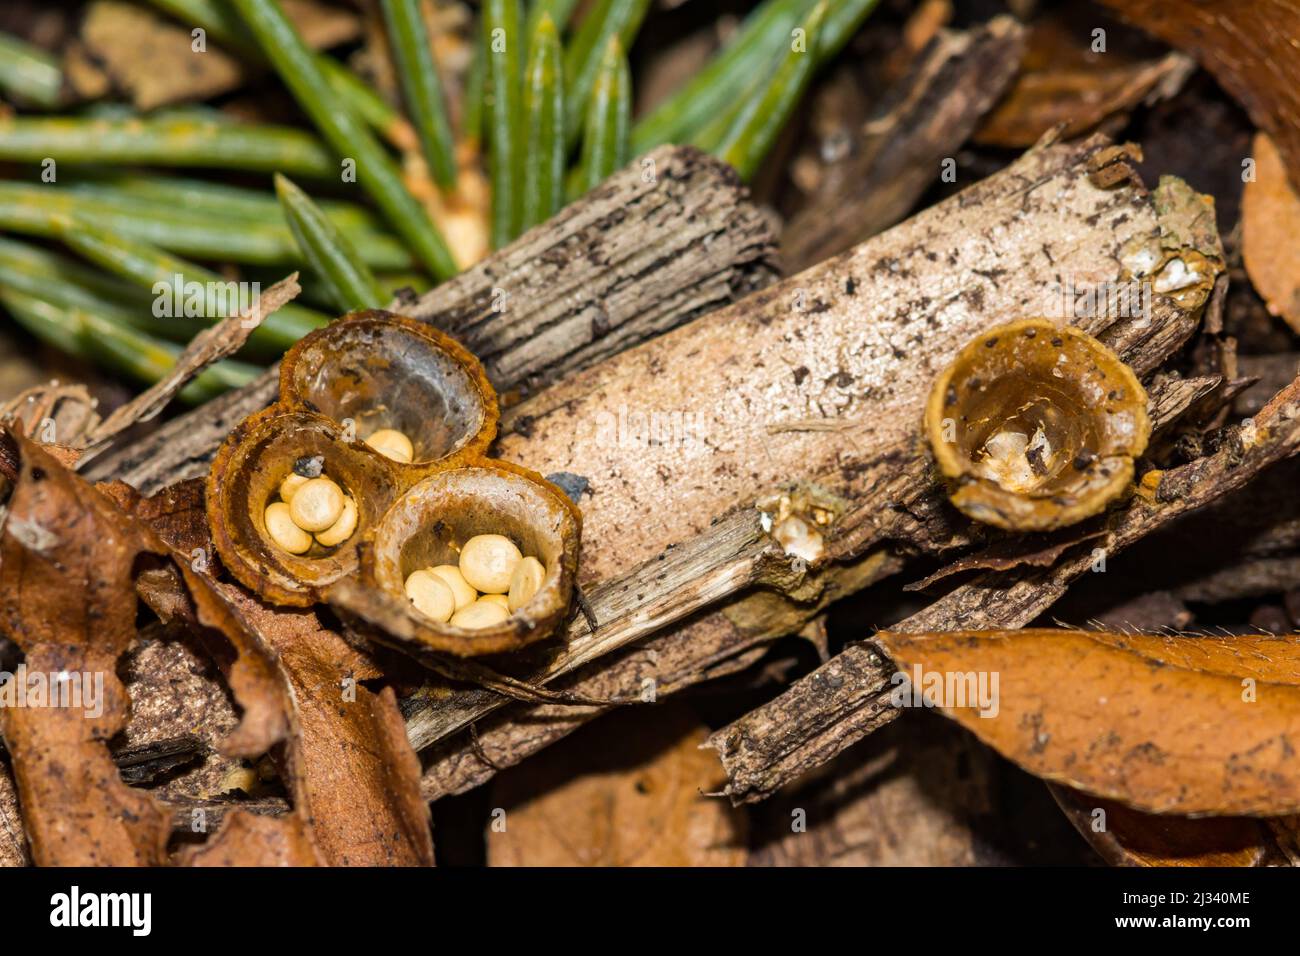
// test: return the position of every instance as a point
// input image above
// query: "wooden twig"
(621, 664)
(900, 151)
(667, 239)
(842, 701)
(857, 338)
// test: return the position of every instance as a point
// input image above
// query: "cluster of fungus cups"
(1036, 425)
(370, 474)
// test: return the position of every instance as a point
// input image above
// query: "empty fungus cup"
(1036, 426)
(428, 524)
(379, 370)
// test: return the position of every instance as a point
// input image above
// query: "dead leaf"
(1127, 837)
(69, 560)
(249, 839)
(52, 414)
(349, 766)
(1186, 725)
(352, 770)
(1064, 83)
(1270, 222)
(1249, 46)
(625, 791)
(67, 598)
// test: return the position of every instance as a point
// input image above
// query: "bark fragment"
(669, 238)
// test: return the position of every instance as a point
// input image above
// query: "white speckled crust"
(676, 431)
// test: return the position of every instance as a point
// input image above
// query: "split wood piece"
(680, 581)
(858, 338)
(847, 698)
(668, 238)
(897, 154)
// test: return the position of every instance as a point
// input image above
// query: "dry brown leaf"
(67, 599)
(1270, 223)
(349, 766)
(69, 560)
(1063, 83)
(247, 839)
(1127, 837)
(625, 791)
(52, 414)
(1249, 46)
(1184, 725)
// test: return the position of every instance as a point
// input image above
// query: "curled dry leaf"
(348, 764)
(1127, 837)
(67, 598)
(69, 559)
(640, 803)
(1249, 46)
(52, 414)
(1184, 725)
(1270, 222)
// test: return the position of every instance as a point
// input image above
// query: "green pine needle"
(544, 153)
(756, 127)
(503, 43)
(605, 140)
(610, 18)
(375, 170)
(104, 341)
(29, 74)
(36, 210)
(421, 86)
(330, 255)
(173, 140)
(147, 266)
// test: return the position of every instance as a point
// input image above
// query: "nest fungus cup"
(1036, 426)
(367, 372)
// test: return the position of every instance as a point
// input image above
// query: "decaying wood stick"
(898, 153)
(634, 671)
(669, 238)
(857, 338)
(848, 697)
(669, 661)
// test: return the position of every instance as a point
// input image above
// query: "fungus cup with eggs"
(1036, 426)
(473, 593)
(312, 507)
